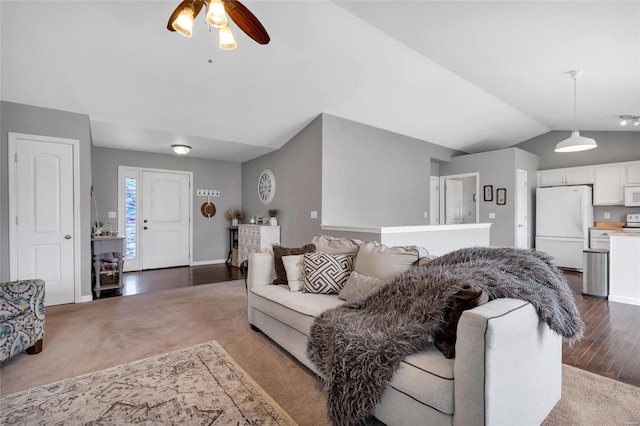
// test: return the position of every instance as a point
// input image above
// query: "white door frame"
(524, 198)
(139, 170)
(13, 206)
(443, 179)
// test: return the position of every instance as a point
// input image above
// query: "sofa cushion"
(428, 377)
(359, 287)
(333, 245)
(279, 251)
(296, 309)
(377, 260)
(326, 273)
(295, 273)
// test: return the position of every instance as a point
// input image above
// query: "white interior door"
(453, 201)
(434, 201)
(522, 196)
(165, 234)
(43, 224)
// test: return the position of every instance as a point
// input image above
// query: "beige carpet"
(105, 333)
(198, 385)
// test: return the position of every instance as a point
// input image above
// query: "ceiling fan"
(182, 18)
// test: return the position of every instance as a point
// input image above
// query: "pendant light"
(575, 141)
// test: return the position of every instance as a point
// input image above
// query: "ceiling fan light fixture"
(181, 149)
(575, 142)
(216, 17)
(183, 23)
(227, 42)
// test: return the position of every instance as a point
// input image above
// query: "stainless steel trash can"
(595, 275)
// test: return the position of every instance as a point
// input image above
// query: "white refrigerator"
(564, 215)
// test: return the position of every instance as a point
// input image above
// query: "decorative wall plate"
(266, 186)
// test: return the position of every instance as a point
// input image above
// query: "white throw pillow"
(359, 287)
(295, 274)
(326, 273)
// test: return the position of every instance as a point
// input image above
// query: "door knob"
(520, 226)
(145, 228)
(145, 221)
(67, 237)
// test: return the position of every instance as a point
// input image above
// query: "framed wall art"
(501, 196)
(488, 192)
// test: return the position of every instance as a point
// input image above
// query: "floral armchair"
(21, 317)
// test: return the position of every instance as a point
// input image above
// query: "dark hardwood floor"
(611, 346)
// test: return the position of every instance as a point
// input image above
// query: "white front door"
(522, 195)
(453, 201)
(434, 201)
(165, 218)
(43, 219)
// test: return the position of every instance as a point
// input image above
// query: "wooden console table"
(108, 259)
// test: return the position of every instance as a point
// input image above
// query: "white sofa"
(507, 369)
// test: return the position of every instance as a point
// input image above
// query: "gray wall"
(34, 120)
(468, 203)
(613, 147)
(497, 168)
(530, 163)
(372, 177)
(297, 168)
(210, 239)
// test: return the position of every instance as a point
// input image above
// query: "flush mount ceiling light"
(181, 149)
(634, 118)
(182, 18)
(575, 141)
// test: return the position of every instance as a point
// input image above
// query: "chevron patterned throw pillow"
(326, 273)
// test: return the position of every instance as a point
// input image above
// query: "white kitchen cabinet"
(568, 176)
(633, 174)
(608, 187)
(253, 238)
(624, 268)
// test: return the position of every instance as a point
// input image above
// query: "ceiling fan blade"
(197, 6)
(246, 21)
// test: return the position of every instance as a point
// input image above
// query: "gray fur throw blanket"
(357, 347)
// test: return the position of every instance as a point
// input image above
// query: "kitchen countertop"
(625, 234)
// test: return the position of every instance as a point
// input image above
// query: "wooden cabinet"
(608, 188)
(108, 260)
(252, 238)
(569, 176)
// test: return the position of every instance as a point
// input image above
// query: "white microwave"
(632, 196)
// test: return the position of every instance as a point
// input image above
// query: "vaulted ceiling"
(472, 76)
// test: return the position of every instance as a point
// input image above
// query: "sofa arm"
(261, 270)
(508, 366)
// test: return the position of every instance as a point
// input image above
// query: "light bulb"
(215, 14)
(636, 122)
(183, 23)
(623, 122)
(227, 42)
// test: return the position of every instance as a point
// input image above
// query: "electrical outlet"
(492, 215)
(607, 215)
(425, 215)
(112, 215)
(314, 215)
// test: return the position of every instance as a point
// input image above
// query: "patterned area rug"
(198, 385)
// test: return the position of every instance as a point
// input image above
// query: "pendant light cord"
(575, 101)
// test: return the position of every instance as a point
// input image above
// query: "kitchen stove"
(633, 223)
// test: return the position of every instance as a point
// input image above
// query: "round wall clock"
(266, 186)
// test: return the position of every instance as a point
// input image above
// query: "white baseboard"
(208, 262)
(85, 299)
